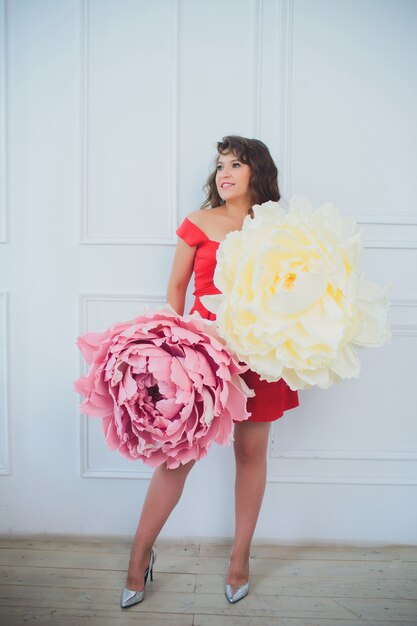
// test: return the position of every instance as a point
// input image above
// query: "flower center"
(289, 281)
(154, 393)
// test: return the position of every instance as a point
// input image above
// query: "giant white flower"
(294, 303)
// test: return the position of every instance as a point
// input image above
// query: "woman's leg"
(251, 444)
(164, 492)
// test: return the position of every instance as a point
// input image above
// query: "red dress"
(271, 399)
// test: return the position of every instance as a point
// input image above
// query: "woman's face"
(232, 178)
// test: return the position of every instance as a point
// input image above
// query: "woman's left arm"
(182, 269)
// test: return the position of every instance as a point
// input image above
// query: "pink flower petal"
(168, 408)
(89, 343)
(163, 386)
(179, 376)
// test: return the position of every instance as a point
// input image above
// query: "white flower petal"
(346, 363)
(293, 300)
(307, 289)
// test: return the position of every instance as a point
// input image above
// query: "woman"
(245, 174)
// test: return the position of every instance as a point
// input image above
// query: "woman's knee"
(248, 452)
(251, 442)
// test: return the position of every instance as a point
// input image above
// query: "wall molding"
(141, 299)
(341, 480)
(285, 30)
(390, 221)
(275, 455)
(405, 219)
(404, 329)
(86, 468)
(85, 237)
(3, 124)
(101, 473)
(174, 212)
(257, 25)
(344, 454)
(4, 386)
(398, 330)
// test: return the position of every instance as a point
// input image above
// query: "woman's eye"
(219, 167)
(236, 164)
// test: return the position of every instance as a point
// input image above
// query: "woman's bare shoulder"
(201, 217)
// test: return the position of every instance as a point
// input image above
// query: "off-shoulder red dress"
(271, 399)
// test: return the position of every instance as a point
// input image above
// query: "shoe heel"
(151, 563)
(149, 571)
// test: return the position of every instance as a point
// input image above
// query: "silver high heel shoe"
(128, 596)
(238, 594)
(235, 596)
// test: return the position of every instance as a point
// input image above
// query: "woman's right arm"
(182, 269)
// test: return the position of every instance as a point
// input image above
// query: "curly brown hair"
(253, 152)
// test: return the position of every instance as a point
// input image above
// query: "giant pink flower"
(164, 385)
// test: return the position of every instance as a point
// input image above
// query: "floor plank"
(211, 565)
(212, 583)
(116, 546)
(18, 616)
(168, 602)
(371, 608)
(213, 620)
(336, 553)
(93, 579)
(347, 587)
(74, 583)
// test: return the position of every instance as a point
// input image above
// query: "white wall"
(109, 112)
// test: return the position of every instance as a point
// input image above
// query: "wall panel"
(356, 432)
(218, 85)
(4, 386)
(3, 125)
(109, 123)
(353, 102)
(98, 312)
(129, 121)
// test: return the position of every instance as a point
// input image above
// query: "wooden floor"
(75, 583)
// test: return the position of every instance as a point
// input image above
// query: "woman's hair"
(263, 183)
